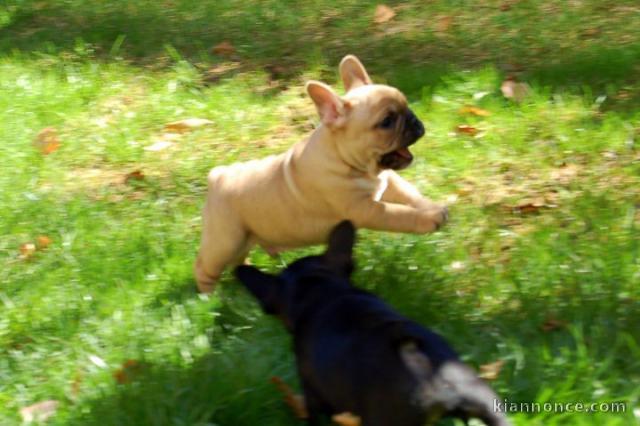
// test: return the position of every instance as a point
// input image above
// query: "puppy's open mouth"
(396, 160)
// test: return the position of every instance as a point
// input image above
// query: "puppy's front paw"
(444, 213)
(432, 218)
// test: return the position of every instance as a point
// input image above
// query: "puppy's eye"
(388, 122)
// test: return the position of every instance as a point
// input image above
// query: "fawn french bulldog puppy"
(344, 170)
(356, 355)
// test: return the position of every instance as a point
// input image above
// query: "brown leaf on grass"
(293, 400)
(623, 95)
(186, 125)
(506, 6)
(467, 130)
(465, 187)
(47, 140)
(275, 71)
(444, 23)
(76, 383)
(551, 324)
(134, 175)
(530, 206)
(43, 242)
(39, 412)
(590, 33)
(27, 250)
(514, 90)
(121, 377)
(527, 208)
(346, 419)
(492, 370)
(219, 71)
(473, 110)
(129, 370)
(224, 48)
(383, 14)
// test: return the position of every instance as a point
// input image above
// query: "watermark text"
(506, 406)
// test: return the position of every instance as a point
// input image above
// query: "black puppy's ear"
(339, 254)
(264, 287)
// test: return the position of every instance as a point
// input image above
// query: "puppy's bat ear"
(331, 108)
(353, 73)
(264, 287)
(339, 254)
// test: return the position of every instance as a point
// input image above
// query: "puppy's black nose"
(419, 129)
(414, 125)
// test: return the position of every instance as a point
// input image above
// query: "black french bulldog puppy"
(356, 354)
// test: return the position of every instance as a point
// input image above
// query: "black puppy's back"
(350, 357)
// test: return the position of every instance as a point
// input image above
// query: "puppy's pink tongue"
(404, 152)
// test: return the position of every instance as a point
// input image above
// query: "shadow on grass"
(294, 35)
(231, 385)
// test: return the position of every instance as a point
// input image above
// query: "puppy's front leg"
(399, 191)
(383, 216)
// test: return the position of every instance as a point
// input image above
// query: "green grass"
(116, 282)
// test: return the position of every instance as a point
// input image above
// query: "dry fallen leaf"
(551, 324)
(383, 14)
(513, 90)
(76, 383)
(346, 419)
(473, 110)
(186, 125)
(128, 371)
(43, 242)
(491, 371)
(530, 206)
(276, 72)
(444, 23)
(27, 250)
(39, 412)
(216, 72)
(293, 400)
(224, 48)
(590, 32)
(47, 140)
(467, 130)
(134, 175)
(623, 95)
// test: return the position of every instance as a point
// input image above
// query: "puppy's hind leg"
(224, 241)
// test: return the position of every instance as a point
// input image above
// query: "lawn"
(538, 268)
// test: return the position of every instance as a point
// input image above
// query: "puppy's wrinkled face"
(381, 128)
(372, 126)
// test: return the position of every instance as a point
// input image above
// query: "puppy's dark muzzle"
(413, 129)
(401, 157)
